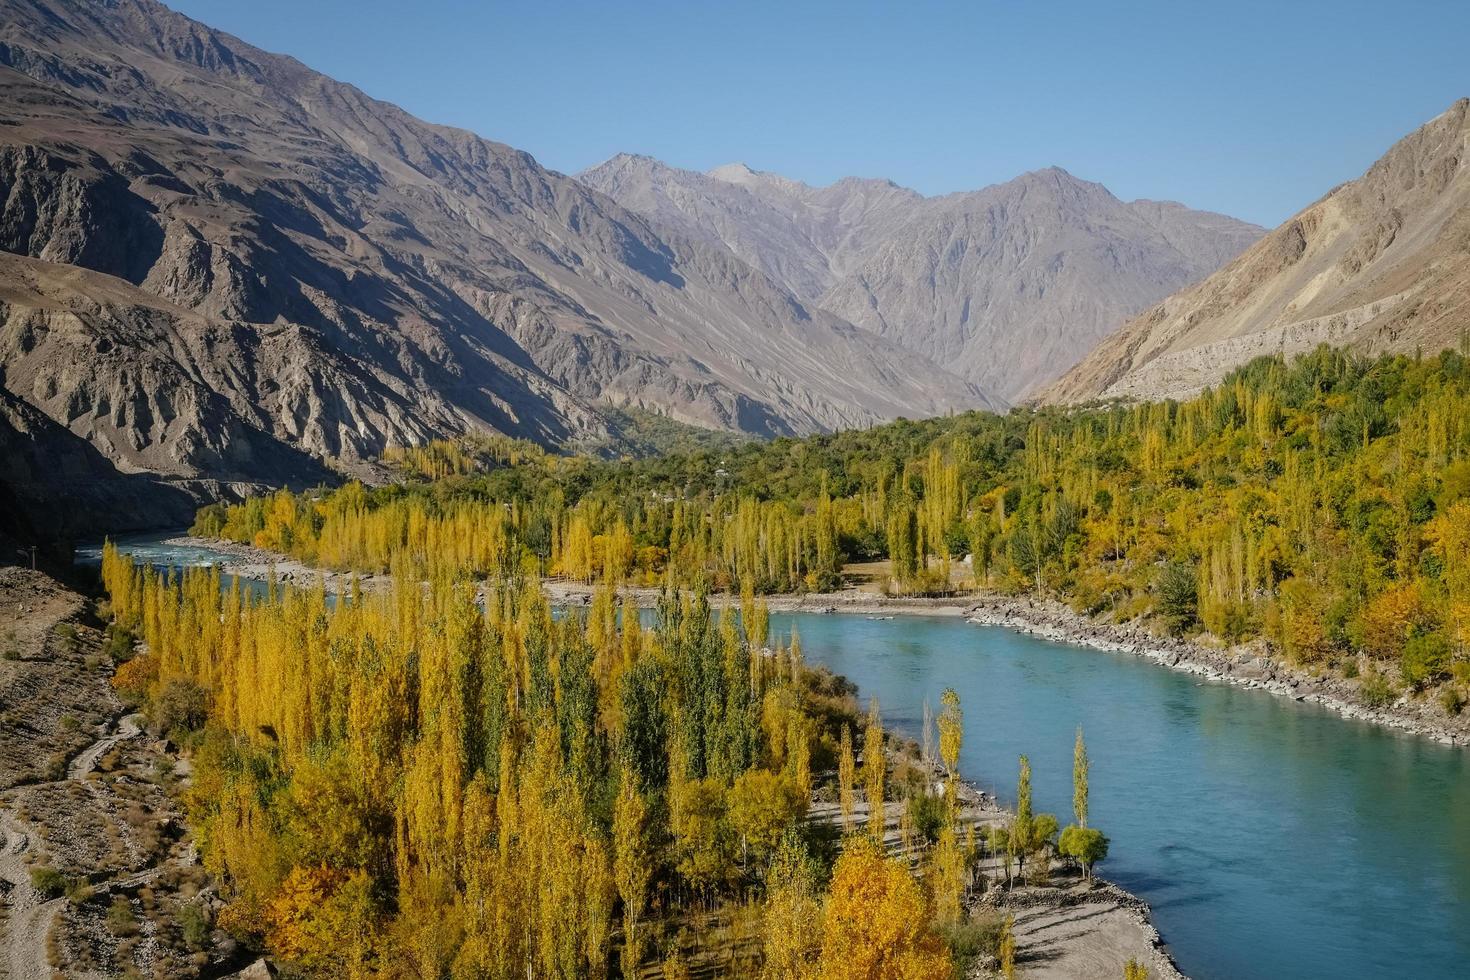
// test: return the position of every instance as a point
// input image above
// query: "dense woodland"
(1323, 506)
(433, 781)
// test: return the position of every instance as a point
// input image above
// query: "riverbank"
(248, 561)
(1245, 666)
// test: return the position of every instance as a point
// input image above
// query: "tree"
(951, 736)
(949, 865)
(632, 867)
(846, 777)
(1007, 948)
(1178, 592)
(762, 805)
(1085, 845)
(876, 926)
(875, 768)
(1080, 767)
(1079, 842)
(1018, 841)
(1134, 970)
(792, 940)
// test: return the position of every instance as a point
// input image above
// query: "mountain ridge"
(374, 279)
(1009, 284)
(1379, 263)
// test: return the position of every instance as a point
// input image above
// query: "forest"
(441, 782)
(1321, 506)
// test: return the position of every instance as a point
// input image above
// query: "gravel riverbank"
(1245, 666)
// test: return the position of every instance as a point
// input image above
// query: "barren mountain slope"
(1009, 285)
(1380, 263)
(293, 267)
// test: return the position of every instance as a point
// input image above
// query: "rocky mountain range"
(1381, 263)
(218, 264)
(1008, 286)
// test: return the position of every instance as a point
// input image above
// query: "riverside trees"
(1323, 505)
(443, 781)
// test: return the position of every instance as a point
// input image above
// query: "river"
(1272, 838)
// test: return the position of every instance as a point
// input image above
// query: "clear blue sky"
(1251, 108)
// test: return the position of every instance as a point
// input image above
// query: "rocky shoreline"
(1244, 666)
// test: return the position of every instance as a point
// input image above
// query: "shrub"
(119, 644)
(1452, 700)
(181, 706)
(927, 814)
(120, 918)
(67, 634)
(1375, 690)
(47, 881)
(194, 924)
(974, 938)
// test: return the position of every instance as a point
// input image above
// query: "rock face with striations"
(1382, 263)
(217, 263)
(1008, 286)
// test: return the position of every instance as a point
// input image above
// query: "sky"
(1254, 109)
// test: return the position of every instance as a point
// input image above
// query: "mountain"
(1008, 286)
(1381, 264)
(223, 265)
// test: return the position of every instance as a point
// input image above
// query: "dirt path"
(28, 917)
(86, 760)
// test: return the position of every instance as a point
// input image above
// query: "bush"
(79, 890)
(972, 939)
(1452, 700)
(48, 882)
(194, 924)
(1375, 690)
(926, 812)
(67, 634)
(120, 918)
(119, 644)
(182, 706)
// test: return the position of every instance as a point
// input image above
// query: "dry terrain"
(98, 876)
(1381, 263)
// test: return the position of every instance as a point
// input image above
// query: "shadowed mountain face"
(222, 264)
(1008, 286)
(1381, 263)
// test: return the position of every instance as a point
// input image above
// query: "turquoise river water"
(1272, 838)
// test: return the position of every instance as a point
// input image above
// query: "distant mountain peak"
(1009, 284)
